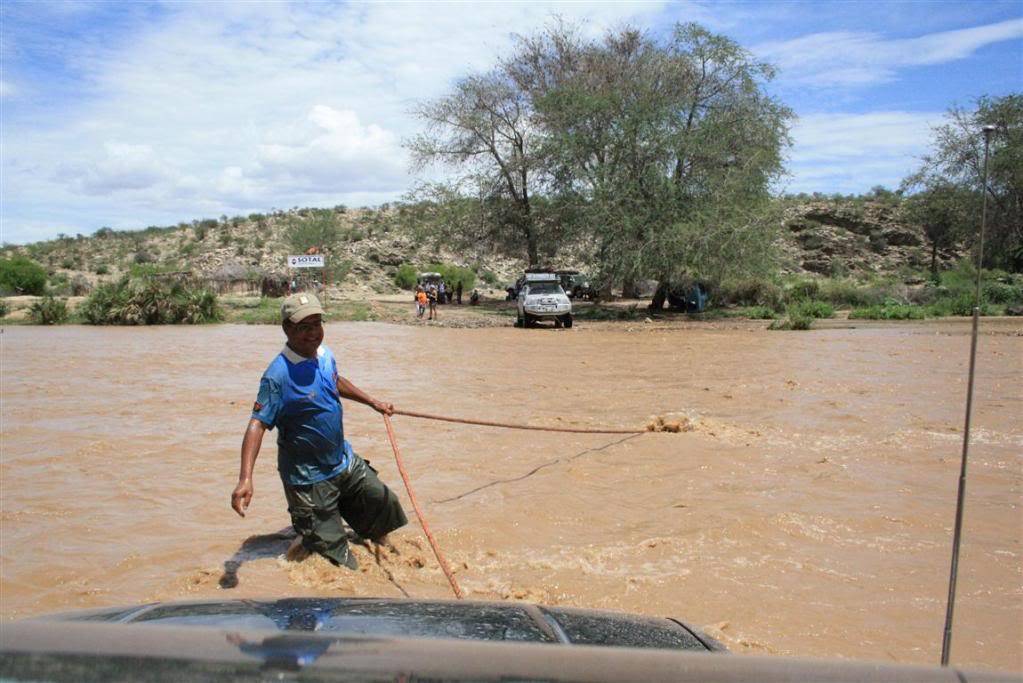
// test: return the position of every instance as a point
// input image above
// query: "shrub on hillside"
(800, 290)
(405, 276)
(849, 293)
(19, 275)
(150, 301)
(48, 311)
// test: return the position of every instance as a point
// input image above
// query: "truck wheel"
(567, 320)
(528, 320)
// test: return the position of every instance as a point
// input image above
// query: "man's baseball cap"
(299, 306)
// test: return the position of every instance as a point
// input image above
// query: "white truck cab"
(541, 297)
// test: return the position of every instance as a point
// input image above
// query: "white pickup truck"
(541, 297)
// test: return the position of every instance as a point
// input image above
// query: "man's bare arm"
(242, 495)
(349, 390)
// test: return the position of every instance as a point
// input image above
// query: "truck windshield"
(545, 288)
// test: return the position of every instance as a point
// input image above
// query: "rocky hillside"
(835, 238)
(854, 238)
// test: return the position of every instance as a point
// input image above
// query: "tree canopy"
(954, 172)
(652, 156)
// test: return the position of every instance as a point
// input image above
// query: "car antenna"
(946, 642)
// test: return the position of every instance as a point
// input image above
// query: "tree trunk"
(629, 289)
(934, 260)
(660, 295)
(531, 249)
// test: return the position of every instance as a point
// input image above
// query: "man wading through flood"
(324, 480)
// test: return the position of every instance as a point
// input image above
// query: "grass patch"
(267, 311)
(889, 311)
(759, 313)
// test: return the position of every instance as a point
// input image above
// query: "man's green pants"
(356, 496)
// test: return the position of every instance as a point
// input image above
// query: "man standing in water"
(324, 480)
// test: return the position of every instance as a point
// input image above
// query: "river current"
(808, 511)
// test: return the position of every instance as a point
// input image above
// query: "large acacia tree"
(670, 145)
(654, 155)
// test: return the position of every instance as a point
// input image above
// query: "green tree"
(483, 131)
(20, 275)
(947, 212)
(319, 230)
(668, 147)
(957, 161)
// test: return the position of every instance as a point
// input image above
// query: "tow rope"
(419, 513)
(485, 423)
(509, 425)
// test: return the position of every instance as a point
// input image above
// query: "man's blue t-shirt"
(299, 396)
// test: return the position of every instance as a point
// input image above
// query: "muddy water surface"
(809, 512)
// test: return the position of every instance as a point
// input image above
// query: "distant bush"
(811, 309)
(48, 311)
(1003, 293)
(890, 310)
(752, 292)
(19, 275)
(4, 309)
(958, 305)
(802, 289)
(452, 274)
(149, 301)
(405, 277)
(101, 269)
(489, 278)
(318, 230)
(846, 292)
(761, 313)
(793, 321)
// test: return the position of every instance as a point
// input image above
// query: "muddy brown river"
(809, 511)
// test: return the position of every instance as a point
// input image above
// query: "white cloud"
(122, 167)
(854, 152)
(844, 58)
(234, 107)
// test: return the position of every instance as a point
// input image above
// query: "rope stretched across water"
(485, 423)
(510, 425)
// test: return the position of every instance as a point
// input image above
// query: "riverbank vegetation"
(149, 300)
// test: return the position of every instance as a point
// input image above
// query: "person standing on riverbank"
(324, 480)
(431, 295)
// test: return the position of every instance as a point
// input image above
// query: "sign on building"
(306, 261)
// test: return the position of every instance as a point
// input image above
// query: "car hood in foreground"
(89, 651)
(388, 617)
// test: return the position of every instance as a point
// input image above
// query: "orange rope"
(507, 425)
(419, 513)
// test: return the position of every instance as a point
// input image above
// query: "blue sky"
(128, 114)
